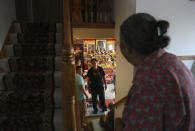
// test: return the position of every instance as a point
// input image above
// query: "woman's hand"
(119, 125)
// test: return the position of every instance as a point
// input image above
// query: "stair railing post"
(70, 104)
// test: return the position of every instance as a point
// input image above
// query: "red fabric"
(108, 101)
(162, 96)
(85, 66)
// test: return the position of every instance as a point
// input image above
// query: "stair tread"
(32, 79)
(31, 63)
(33, 50)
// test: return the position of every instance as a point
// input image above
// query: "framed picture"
(100, 45)
(91, 48)
(110, 45)
(90, 44)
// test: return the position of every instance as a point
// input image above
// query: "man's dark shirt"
(96, 77)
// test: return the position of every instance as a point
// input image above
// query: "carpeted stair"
(30, 93)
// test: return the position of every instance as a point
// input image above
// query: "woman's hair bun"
(144, 33)
(163, 25)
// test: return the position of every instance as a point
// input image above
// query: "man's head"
(94, 63)
(79, 70)
(110, 105)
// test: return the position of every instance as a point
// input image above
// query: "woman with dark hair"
(162, 96)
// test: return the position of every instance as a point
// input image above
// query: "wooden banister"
(86, 14)
(122, 100)
(70, 106)
(103, 11)
(188, 57)
(98, 12)
(92, 12)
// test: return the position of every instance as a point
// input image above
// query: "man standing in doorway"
(96, 79)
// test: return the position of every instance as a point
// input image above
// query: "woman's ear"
(124, 47)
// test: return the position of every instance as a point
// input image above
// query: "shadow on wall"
(193, 68)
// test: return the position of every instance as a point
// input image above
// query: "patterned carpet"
(22, 110)
(31, 63)
(34, 50)
(27, 103)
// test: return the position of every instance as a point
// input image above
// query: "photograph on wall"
(110, 45)
(90, 45)
(91, 48)
(101, 45)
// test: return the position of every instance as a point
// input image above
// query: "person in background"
(82, 95)
(96, 79)
(85, 64)
(162, 96)
(107, 121)
(78, 62)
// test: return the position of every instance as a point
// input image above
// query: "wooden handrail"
(189, 57)
(119, 102)
(92, 12)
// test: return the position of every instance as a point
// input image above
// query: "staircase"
(30, 84)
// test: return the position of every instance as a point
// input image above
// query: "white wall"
(124, 71)
(181, 16)
(7, 15)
